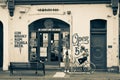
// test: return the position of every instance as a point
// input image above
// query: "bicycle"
(87, 66)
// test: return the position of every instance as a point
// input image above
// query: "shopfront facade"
(42, 31)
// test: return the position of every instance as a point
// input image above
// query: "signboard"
(43, 51)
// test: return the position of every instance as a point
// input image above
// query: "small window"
(98, 24)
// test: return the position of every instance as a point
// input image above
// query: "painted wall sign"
(48, 9)
(48, 29)
(18, 40)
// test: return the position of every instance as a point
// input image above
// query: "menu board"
(56, 36)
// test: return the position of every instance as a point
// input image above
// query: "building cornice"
(41, 2)
(12, 3)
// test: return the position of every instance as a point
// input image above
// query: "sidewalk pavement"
(58, 75)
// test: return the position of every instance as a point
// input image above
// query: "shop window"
(33, 46)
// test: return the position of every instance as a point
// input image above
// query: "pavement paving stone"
(30, 75)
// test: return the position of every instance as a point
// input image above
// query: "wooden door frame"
(49, 46)
(101, 29)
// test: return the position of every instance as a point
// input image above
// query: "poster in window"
(33, 42)
(43, 51)
(56, 36)
(45, 39)
(33, 50)
(33, 35)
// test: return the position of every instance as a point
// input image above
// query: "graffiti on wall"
(78, 42)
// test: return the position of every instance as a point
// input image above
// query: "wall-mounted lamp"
(114, 6)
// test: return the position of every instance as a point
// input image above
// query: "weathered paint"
(77, 16)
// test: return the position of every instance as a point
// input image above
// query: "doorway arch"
(47, 35)
(98, 54)
(1, 44)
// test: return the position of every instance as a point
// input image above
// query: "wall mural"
(79, 41)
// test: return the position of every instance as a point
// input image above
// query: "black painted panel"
(35, 2)
(98, 42)
(1, 44)
(98, 50)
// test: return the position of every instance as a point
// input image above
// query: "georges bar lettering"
(48, 9)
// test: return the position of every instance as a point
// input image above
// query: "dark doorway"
(1, 44)
(98, 44)
(47, 39)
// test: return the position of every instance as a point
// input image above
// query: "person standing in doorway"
(67, 59)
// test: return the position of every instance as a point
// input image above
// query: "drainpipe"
(119, 39)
